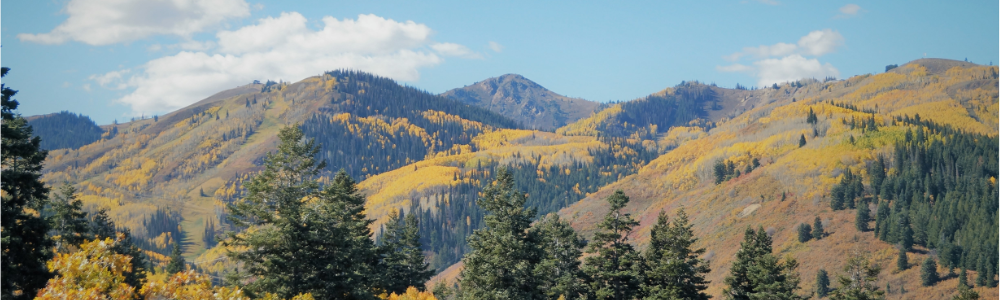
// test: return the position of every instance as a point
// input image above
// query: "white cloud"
(783, 62)
(496, 47)
(104, 22)
(850, 9)
(282, 48)
(452, 49)
(792, 68)
(769, 2)
(734, 68)
(815, 43)
(820, 42)
(112, 80)
(86, 87)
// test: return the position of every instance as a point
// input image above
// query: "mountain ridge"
(530, 103)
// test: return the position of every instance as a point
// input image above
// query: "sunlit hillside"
(525, 101)
(791, 185)
(963, 96)
(168, 178)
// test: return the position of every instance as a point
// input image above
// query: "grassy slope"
(964, 97)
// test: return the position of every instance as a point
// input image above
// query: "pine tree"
(403, 261)
(811, 118)
(67, 221)
(963, 279)
(300, 237)
(818, 229)
(805, 232)
(928, 272)
(966, 294)
(902, 261)
(26, 247)
(673, 269)
(441, 290)
(613, 267)
(863, 216)
(101, 227)
(505, 252)
(822, 283)
(757, 273)
(558, 272)
(859, 281)
(905, 231)
(802, 140)
(177, 263)
(981, 279)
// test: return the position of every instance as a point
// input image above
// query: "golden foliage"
(590, 125)
(92, 272)
(189, 285)
(411, 294)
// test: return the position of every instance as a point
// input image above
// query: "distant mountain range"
(525, 101)
(770, 157)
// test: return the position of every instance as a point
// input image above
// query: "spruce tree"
(614, 266)
(863, 216)
(905, 231)
(966, 294)
(805, 232)
(822, 283)
(673, 269)
(802, 141)
(902, 261)
(559, 272)
(403, 260)
(757, 273)
(101, 227)
(963, 279)
(981, 279)
(928, 272)
(67, 221)
(504, 252)
(817, 229)
(859, 282)
(300, 237)
(26, 247)
(177, 263)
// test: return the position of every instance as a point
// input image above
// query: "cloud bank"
(783, 62)
(281, 48)
(105, 22)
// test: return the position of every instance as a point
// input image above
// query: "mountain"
(925, 120)
(168, 178)
(524, 100)
(64, 130)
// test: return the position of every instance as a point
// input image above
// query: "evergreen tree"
(441, 291)
(300, 237)
(757, 273)
(101, 227)
(505, 252)
(177, 263)
(802, 141)
(905, 231)
(811, 117)
(67, 221)
(613, 267)
(558, 272)
(673, 269)
(805, 232)
(966, 294)
(403, 261)
(817, 229)
(822, 283)
(928, 272)
(863, 216)
(859, 282)
(963, 279)
(902, 261)
(981, 279)
(26, 247)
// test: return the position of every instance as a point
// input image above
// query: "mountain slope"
(963, 98)
(183, 167)
(64, 130)
(858, 120)
(523, 100)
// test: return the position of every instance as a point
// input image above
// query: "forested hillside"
(896, 169)
(65, 130)
(521, 99)
(901, 159)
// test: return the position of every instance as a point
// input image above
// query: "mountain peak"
(519, 98)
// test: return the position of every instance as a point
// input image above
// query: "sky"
(119, 59)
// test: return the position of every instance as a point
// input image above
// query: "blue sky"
(151, 57)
